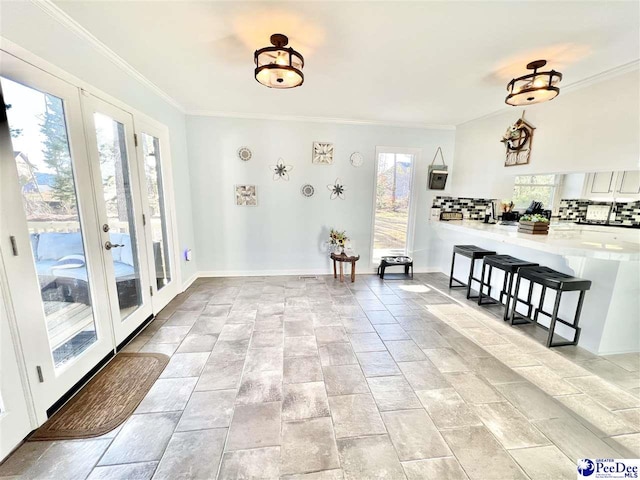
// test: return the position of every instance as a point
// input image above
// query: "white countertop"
(607, 243)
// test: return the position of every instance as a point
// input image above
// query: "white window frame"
(411, 221)
(554, 190)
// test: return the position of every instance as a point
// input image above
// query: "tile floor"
(287, 378)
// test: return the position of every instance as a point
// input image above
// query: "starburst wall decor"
(280, 170)
(337, 189)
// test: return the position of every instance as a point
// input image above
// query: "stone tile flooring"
(290, 378)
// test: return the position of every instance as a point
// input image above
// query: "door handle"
(108, 245)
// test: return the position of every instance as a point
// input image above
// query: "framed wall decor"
(322, 153)
(517, 143)
(246, 195)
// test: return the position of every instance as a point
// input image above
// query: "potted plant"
(338, 240)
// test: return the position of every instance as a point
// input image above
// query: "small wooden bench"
(342, 258)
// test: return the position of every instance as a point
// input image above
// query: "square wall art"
(246, 195)
(322, 153)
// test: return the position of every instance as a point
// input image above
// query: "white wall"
(587, 129)
(285, 232)
(29, 27)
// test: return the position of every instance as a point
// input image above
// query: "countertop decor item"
(307, 190)
(244, 154)
(280, 170)
(246, 195)
(322, 153)
(534, 87)
(279, 66)
(337, 190)
(517, 142)
(535, 224)
(356, 159)
(438, 173)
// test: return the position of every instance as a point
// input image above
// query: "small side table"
(342, 258)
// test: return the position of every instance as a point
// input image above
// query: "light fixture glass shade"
(535, 87)
(279, 66)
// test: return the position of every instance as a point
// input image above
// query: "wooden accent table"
(342, 258)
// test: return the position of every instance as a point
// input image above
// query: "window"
(539, 188)
(393, 223)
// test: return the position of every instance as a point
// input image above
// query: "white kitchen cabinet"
(629, 182)
(602, 183)
(609, 185)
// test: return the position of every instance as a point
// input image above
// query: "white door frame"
(411, 220)
(20, 269)
(91, 104)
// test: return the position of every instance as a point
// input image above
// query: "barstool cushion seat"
(472, 251)
(553, 279)
(507, 263)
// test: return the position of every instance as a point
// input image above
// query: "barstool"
(474, 253)
(560, 282)
(509, 265)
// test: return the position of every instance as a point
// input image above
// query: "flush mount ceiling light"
(279, 66)
(535, 87)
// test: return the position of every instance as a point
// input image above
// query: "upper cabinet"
(601, 182)
(609, 185)
(629, 182)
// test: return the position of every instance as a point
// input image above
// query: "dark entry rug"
(107, 400)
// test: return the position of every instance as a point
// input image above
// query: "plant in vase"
(338, 239)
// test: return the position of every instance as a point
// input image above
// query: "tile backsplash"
(627, 213)
(471, 208)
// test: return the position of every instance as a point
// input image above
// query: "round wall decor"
(356, 159)
(307, 190)
(244, 154)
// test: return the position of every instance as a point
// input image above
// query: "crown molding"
(572, 87)
(298, 118)
(70, 24)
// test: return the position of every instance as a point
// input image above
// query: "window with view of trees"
(394, 176)
(539, 188)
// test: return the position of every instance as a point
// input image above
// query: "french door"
(85, 233)
(51, 243)
(153, 150)
(111, 143)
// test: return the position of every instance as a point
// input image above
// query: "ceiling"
(437, 63)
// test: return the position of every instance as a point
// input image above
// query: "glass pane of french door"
(115, 169)
(49, 198)
(157, 211)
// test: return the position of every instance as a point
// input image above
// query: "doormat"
(107, 400)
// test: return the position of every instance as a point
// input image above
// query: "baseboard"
(276, 273)
(191, 279)
(262, 273)
(430, 270)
